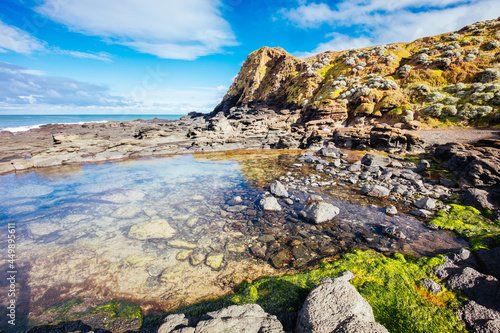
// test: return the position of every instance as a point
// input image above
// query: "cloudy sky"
(173, 57)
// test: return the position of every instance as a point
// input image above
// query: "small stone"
(288, 201)
(184, 254)
(282, 258)
(421, 213)
(258, 251)
(214, 260)
(432, 286)
(177, 243)
(154, 270)
(196, 259)
(391, 210)
(266, 238)
(236, 247)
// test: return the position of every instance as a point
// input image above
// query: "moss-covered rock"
(469, 223)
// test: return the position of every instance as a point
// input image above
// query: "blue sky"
(173, 57)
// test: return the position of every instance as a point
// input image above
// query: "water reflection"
(166, 232)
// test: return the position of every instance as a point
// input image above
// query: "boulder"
(336, 306)
(426, 203)
(270, 204)
(376, 160)
(319, 212)
(477, 198)
(250, 318)
(278, 189)
(375, 191)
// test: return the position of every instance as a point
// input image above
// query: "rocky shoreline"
(391, 178)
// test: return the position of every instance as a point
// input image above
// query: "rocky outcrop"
(463, 272)
(336, 306)
(446, 76)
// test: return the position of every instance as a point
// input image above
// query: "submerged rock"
(336, 306)
(282, 258)
(157, 228)
(214, 260)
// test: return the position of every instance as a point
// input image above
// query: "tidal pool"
(173, 231)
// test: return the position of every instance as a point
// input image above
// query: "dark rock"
(489, 261)
(422, 165)
(477, 198)
(480, 319)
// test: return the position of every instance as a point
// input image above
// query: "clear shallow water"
(153, 231)
(16, 123)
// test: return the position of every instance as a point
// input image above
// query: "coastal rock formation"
(476, 167)
(336, 306)
(463, 272)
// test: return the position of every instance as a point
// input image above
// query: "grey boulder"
(336, 306)
(319, 212)
(375, 191)
(270, 204)
(278, 189)
(376, 160)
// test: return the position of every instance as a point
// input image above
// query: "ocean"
(19, 123)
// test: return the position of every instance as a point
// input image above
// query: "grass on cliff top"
(390, 285)
(469, 223)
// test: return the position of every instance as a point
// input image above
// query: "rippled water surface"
(166, 232)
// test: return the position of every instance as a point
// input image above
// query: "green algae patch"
(117, 316)
(469, 223)
(390, 285)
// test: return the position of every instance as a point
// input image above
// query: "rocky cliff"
(449, 78)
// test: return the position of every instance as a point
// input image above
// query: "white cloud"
(13, 39)
(184, 29)
(20, 86)
(102, 56)
(375, 22)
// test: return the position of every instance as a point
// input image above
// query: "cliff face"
(440, 79)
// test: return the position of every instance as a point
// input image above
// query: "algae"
(390, 285)
(469, 223)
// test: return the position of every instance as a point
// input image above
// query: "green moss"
(109, 314)
(468, 222)
(61, 309)
(390, 285)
